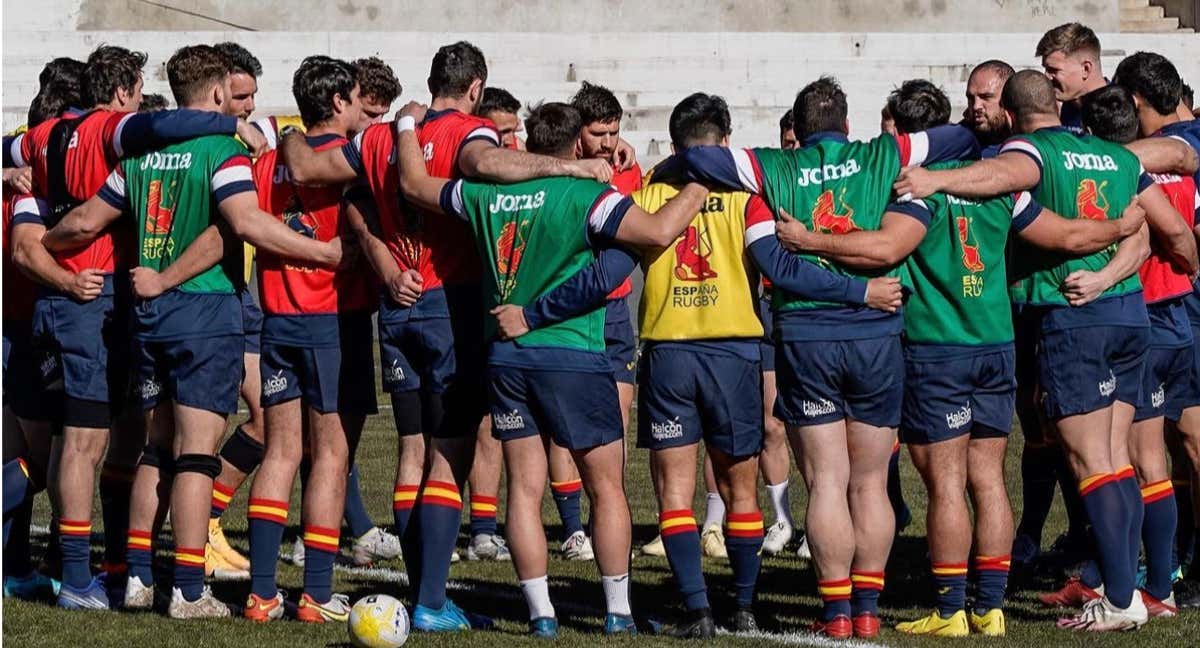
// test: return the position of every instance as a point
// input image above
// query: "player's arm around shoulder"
(1166, 155)
(1013, 170)
(636, 227)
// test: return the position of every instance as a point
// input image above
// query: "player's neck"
(206, 106)
(451, 103)
(326, 128)
(1155, 122)
(1038, 122)
(113, 106)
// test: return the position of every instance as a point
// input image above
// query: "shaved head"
(1029, 94)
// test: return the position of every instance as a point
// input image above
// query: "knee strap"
(198, 463)
(242, 451)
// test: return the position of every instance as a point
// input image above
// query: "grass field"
(787, 588)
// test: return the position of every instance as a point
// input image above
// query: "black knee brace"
(198, 463)
(156, 458)
(78, 412)
(406, 412)
(242, 451)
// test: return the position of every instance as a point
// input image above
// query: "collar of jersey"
(825, 136)
(434, 114)
(324, 138)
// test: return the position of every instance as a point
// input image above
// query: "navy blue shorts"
(686, 396)
(252, 322)
(22, 391)
(1165, 382)
(1189, 395)
(825, 381)
(945, 398)
(73, 343)
(1085, 369)
(415, 354)
(766, 345)
(618, 341)
(204, 373)
(577, 410)
(329, 379)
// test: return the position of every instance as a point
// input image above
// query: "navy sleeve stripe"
(915, 209)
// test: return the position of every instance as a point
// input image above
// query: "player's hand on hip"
(624, 155)
(87, 285)
(252, 138)
(147, 282)
(885, 294)
(790, 232)
(594, 169)
(405, 287)
(1083, 287)
(413, 109)
(914, 182)
(510, 320)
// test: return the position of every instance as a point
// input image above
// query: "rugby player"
(431, 347)
(1152, 79)
(959, 363)
(1090, 359)
(189, 339)
(540, 384)
(840, 368)
(79, 338)
(1070, 56)
(502, 109)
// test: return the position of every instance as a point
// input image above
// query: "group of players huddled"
(1037, 257)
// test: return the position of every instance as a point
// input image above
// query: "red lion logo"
(1090, 201)
(510, 247)
(691, 256)
(825, 219)
(970, 256)
(158, 216)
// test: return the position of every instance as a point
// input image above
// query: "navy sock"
(483, 515)
(404, 497)
(1158, 534)
(1108, 510)
(320, 548)
(1037, 490)
(864, 593)
(438, 514)
(266, 521)
(1090, 574)
(1185, 521)
(567, 499)
(950, 579)
(221, 496)
(356, 510)
(1133, 502)
(115, 488)
(835, 598)
(74, 536)
(1072, 502)
(16, 482)
(139, 554)
(681, 539)
(17, 560)
(743, 541)
(991, 579)
(189, 572)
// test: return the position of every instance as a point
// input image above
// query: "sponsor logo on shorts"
(394, 373)
(1107, 387)
(275, 384)
(1159, 396)
(149, 388)
(819, 408)
(959, 417)
(671, 429)
(49, 366)
(509, 421)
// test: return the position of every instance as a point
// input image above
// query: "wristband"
(406, 123)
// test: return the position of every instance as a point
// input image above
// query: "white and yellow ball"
(378, 621)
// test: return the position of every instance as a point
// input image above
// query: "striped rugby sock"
(681, 540)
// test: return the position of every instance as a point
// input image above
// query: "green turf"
(787, 590)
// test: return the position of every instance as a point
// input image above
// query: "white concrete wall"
(572, 16)
(758, 74)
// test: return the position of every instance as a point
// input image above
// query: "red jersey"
(626, 182)
(91, 156)
(19, 290)
(1159, 279)
(287, 287)
(438, 247)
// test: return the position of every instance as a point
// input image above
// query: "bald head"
(1029, 96)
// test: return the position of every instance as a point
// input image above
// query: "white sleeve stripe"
(116, 182)
(918, 148)
(1024, 147)
(601, 212)
(456, 199)
(759, 231)
(116, 143)
(230, 175)
(745, 169)
(484, 131)
(15, 151)
(1022, 201)
(268, 130)
(30, 205)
